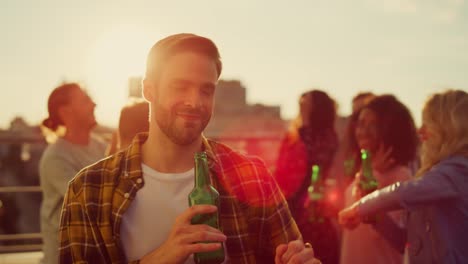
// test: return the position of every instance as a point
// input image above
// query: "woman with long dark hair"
(311, 140)
(384, 126)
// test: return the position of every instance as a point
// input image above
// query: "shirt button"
(139, 180)
(126, 195)
(428, 227)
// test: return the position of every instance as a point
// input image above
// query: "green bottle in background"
(368, 182)
(315, 190)
(316, 194)
(204, 193)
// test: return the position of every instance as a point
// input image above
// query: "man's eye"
(207, 91)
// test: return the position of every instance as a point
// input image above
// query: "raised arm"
(439, 184)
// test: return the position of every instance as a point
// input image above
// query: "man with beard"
(69, 108)
(133, 206)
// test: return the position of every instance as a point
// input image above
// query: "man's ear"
(148, 90)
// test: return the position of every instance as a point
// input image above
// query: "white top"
(149, 219)
(364, 244)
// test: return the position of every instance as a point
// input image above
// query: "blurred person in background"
(311, 140)
(360, 100)
(133, 119)
(437, 198)
(386, 129)
(346, 161)
(352, 159)
(71, 115)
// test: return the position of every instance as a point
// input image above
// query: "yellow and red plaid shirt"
(253, 213)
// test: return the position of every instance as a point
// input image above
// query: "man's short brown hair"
(174, 44)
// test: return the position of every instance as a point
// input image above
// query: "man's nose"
(193, 99)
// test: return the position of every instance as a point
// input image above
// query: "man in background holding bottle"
(133, 206)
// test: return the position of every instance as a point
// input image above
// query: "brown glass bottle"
(204, 193)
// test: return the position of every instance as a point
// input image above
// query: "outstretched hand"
(295, 252)
(184, 237)
(349, 217)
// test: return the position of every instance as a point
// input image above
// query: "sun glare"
(118, 54)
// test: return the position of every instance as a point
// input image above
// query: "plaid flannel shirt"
(253, 213)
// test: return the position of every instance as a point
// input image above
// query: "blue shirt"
(438, 207)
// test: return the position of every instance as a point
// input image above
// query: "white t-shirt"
(149, 219)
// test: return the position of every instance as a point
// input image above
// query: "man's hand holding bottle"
(183, 238)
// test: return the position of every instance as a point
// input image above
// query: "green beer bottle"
(368, 182)
(204, 193)
(315, 190)
(316, 194)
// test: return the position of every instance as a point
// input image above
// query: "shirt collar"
(132, 166)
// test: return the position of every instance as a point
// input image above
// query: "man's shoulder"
(55, 152)
(454, 169)
(247, 177)
(104, 172)
(51, 151)
(58, 147)
(231, 159)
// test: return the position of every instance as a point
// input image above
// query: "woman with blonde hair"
(437, 198)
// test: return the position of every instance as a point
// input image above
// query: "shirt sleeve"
(78, 242)
(70, 247)
(436, 185)
(392, 232)
(278, 226)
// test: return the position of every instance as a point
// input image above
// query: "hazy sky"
(278, 49)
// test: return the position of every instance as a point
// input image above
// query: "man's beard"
(181, 134)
